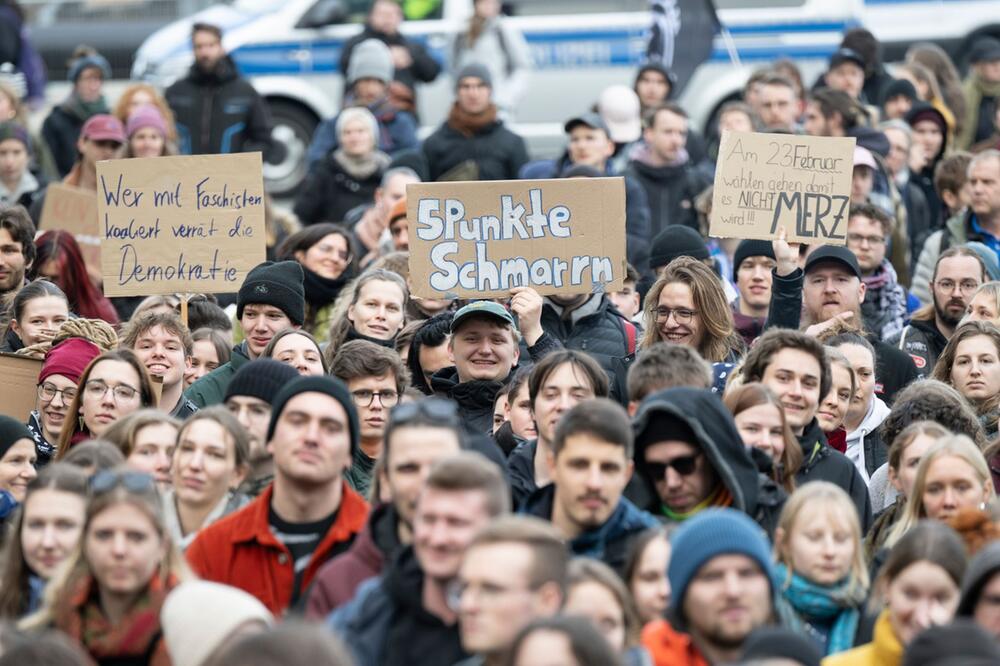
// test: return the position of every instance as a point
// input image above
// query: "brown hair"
(588, 570)
(986, 409)
(467, 470)
(742, 398)
(549, 553)
(601, 418)
(649, 119)
(123, 432)
(285, 332)
(169, 322)
(237, 433)
(910, 433)
(927, 541)
(206, 27)
(360, 358)
(874, 213)
(582, 363)
(121, 108)
(952, 172)
(778, 339)
(931, 400)
(719, 338)
(665, 365)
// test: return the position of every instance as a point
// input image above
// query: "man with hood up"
(691, 457)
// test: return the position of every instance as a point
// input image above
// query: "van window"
(548, 7)
(757, 4)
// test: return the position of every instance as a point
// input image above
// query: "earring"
(81, 426)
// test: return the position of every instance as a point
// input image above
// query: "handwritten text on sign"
(767, 181)
(480, 239)
(180, 224)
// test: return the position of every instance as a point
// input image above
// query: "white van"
(290, 50)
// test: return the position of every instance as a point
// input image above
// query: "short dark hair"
(469, 470)
(960, 251)
(773, 342)
(433, 332)
(168, 321)
(17, 222)
(665, 365)
(832, 101)
(873, 212)
(631, 274)
(579, 360)
(549, 554)
(304, 239)
(216, 338)
(649, 120)
(204, 312)
(602, 418)
(206, 27)
(588, 646)
(361, 358)
(952, 172)
(776, 79)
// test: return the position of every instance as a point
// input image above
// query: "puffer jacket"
(703, 412)
(331, 189)
(957, 230)
(821, 462)
(922, 340)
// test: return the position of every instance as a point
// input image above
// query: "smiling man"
(163, 344)
(273, 547)
(271, 299)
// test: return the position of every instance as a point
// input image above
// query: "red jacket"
(669, 647)
(241, 551)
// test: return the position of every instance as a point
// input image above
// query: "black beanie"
(278, 284)
(751, 247)
(900, 88)
(777, 643)
(961, 643)
(261, 378)
(676, 241)
(325, 384)
(11, 432)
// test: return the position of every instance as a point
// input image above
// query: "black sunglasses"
(684, 465)
(134, 482)
(435, 410)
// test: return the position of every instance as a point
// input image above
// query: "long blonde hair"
(828, 496)
(959, 446)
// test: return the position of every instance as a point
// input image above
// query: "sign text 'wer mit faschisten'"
(764, 182)
(481, 239)
(180, 224)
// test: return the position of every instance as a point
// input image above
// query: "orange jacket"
(668, 647)
(241, 551)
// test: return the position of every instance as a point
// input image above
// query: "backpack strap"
(631, 333)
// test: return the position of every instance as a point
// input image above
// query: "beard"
(942, 313)
(13, 281)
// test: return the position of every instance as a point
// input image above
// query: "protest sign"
(74, 210)
(18, 389)
(767, 181)
(480, 239)
(180, 224)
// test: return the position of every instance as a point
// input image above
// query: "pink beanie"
(146, 115)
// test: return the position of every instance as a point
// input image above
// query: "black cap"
(675, 241)
(590, 119)
(985, 49)
(842, 55)
(778, 643)
(837, 254)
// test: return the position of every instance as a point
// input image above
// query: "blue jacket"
(397, 131)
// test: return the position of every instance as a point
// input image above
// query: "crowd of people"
(756, 452)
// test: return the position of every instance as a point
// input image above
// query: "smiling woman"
(17, 458)
(39, 309)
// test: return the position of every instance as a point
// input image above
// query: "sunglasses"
(684, 465)
(429, 409)
(134, 482)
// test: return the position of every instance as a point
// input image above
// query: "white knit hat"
(198, 616)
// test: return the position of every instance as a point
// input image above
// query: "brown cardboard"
(74, 210)
(567, 223)
(180, 224)
(18, 391)
(767, 181)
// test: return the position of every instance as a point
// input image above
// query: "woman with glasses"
(114, 385)
(108, 596)
(56, 391)
(38, 310)
(147, 439)
(210, 462)
(17, 463)
(43, 534)
(324, 252)
(299, 349)
(971, 363)
(376, 311)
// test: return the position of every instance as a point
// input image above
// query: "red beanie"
(68, 358)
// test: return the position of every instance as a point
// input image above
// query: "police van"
(290, 49)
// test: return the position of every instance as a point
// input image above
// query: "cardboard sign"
(767, 181)
(480, 239)
(180, 224)
(17, 390)
(74, 210)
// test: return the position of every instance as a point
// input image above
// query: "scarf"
(352, 334)
(361, 167)
(135, 635)
(321, 291)
(975, 90)
(84, 110)
(721, 497)
(891, 299)
(820, 603)
(470, 124)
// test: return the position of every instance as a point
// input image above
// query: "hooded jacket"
(386, 624)
(820, 462)
(866, 440)
(611, 541)
(704, 414)
(671, 190)
(474, 398)
(924, 343)
(219, 112)
(333, 188)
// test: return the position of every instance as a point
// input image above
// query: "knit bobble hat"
(325, 384)
(12, 431)
(199, 616)
(371, 59)
(69, 358)
(477, 71)
(95, 60)
(261, 378)
(751, 247)
(278, 284)
(676, 241)
(711, 533)
(146, 115)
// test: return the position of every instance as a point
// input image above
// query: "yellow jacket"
(884, 650)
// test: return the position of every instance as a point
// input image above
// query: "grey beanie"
(95, 60)
(370, 59)
(475, 70)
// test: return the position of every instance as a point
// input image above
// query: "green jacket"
(211, 389)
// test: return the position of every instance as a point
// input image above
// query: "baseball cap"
(864, 157)
(590, 119)
(481, 308)
(619, 107)
(836, 254)
(103, 127)
(840, 56)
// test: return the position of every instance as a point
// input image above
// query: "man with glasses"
(590, 463)
(405, 616)
(376, 377)
(691, 457)
(417, 436)
(514, 572)
(958, 273)
(869, 229)
(57, 386)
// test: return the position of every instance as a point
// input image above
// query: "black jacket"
(924, 343)
(330, 191)
(521, 471)
(60, 132)
(703, 412)
(219, 112)
(671, 191)
(424, 68)
(497, 152)
(821, 462)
